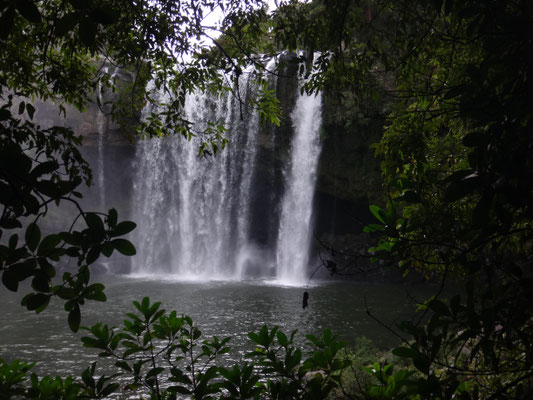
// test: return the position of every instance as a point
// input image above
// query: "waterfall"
(101, 123)
(295, 229)
(194, 213)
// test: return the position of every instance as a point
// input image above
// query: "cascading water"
(101, 125)
(294, 235)
(194, 213)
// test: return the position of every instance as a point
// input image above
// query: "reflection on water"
(219, 308)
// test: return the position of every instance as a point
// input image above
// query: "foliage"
(63, 51)
(459, 206)
(456, 158)
(355, 379)
(456, 155)
(154, 347)
(466, 208)
(14, 383)
(163, 354)
(40, 168)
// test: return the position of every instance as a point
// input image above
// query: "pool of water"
(219, 308)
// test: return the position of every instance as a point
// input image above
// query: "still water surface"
(219, 308)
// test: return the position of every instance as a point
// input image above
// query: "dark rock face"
(349, 177)
(338, 216)
(273, 154)
(109, 152)
(94, 119)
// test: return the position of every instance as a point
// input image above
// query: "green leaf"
(44, 168)
(112, 217)
(109, 389)
(458, 190)
(66, 293)
(254, 337)
(179, 376)
(405, 352)
(96, 296)
(373, 228)
(87, 32)
(480, 215)
(93, 255)
(43, 306)
(422, 364)
(458, 175)
(92, 343)
(30, 109)
(123, 365)
(87, 377)
(454, 91)
(282, 339)
(10, 281)
(455, 304)
(36, 301)
(47, 267)
(104, 15)
(6, 27)
(48, 188)
(410, 196)
(107, 249)
(154, 372)
(41, 281)
(95, 223)
(95, 287)
(179, 389)
(9, 223)
(80, 4)
(376, 211)
(474, 139)
(73, 251)
(145, 304)
(23, 270)
(13, 241)
(4, 114)
(124, 246)
(29, 10)
(48, 244)
(123, 228)
(84, 274)
(74, 318)
(66, 24)
(439, 307)
(32, 236)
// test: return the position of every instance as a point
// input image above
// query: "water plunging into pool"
(294, 234)
(196, 215)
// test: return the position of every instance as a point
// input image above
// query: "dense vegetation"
(455, 153)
